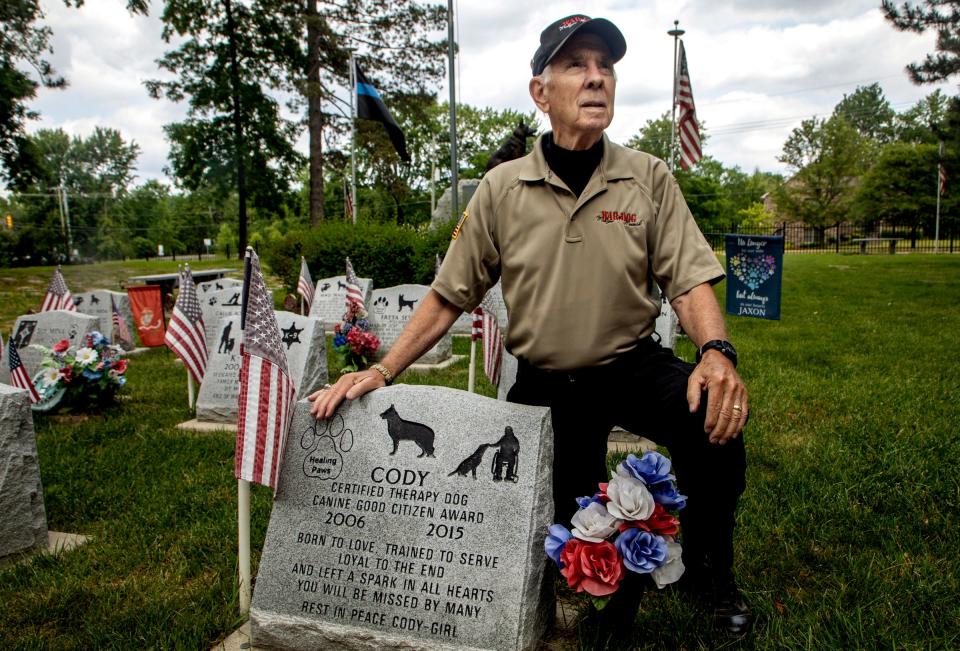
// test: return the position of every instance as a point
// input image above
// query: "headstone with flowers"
(390, 311)
(23, 526)
(629, 525)
(330, 296)
(46, 329)
(83, 378)
(353, 343)
(119, 327)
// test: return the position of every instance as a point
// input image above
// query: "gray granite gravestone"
(215, 306)
(443, 213)
(412, 519)
(303, 340)
(97, 303)
(46, 329)
(23, 526)
(218, 284)
(390, 310)
(4, 362)
(330, 299)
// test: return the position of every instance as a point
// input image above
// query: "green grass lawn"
(848, 535)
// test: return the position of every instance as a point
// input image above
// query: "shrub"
(390, 254)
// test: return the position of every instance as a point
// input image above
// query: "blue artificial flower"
(90, 374)
(642, 551)
(584, 502)
(339, 340)
(363, 324)
(122, 380)
(665, 493)
(652, 468)
(97, 339)
(346, 328)
(555, 542)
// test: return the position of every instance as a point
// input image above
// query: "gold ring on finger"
(738, 408)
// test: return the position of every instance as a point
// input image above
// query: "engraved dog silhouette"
(407, 430)
(514, 147)
(471, 463)
(226, 341)
(341, 285)
(405, 303)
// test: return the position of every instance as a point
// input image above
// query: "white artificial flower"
(629, 498)
(672, 570)
(50, 376)
(593, 523)
(86, 356)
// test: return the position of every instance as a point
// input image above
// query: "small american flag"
(18, 374)
(305, 283)
(354, 291)
(120, 330)
(689, 130)
(58, 295)
(492, 344)
(266, 392)
(185, 335)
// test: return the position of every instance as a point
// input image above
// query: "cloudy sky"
(758, 67)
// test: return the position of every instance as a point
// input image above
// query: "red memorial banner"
(147, 305)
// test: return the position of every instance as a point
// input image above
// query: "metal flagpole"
(455, 185)
(936, 231)
(353, 135)
(243, 534)
(472, 373)
(676, 33)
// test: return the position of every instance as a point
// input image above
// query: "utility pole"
(455, 185)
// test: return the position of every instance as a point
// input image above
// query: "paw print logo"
(325, 443)
(381, 304)
(753, 270)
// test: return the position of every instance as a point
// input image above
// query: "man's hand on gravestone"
(349, 387)
(727, 398)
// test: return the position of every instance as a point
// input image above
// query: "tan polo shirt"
(577, 273)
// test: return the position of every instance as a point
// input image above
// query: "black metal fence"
(851, 238)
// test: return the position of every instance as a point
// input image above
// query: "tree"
(940, 15)
(868, 111)
(654, 137)
(924, 121)
(900, 188)
(24, 43)
(231, 55)
(827, 157)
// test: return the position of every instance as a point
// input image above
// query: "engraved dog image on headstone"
(330, 299)
(46, 329)
(375, 544)
(390, 312)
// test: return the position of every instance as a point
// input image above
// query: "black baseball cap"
(558, 33)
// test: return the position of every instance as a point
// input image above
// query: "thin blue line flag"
(371, 107)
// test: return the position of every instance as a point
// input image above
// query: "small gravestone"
(412, 519)
(98, 303)
(215, 306)
(330, 299)
(217, 285)
(4, 362)
(443, 213)
(390, 310)
(23, 526)
(303, 341)
(463, 325)
(46, 329)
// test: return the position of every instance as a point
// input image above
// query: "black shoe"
(730, 612)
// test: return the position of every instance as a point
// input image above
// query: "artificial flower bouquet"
(352, 340)
(84, 378)
(627, 525)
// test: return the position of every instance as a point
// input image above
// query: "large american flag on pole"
(18, 374)
(266, 392)
(305, 283)
(58, 295)
(185, 335)
(492, 343)
(354, 291)
(687, 127)
(347, 200)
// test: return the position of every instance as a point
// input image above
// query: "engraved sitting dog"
(471, 463)
(407, 430)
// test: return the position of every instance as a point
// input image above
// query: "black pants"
(644, 391)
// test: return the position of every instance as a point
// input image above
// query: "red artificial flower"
(603, 492)
(66, 373)
(61, 346)
(660, 522)
(594, 568)
(120, 365)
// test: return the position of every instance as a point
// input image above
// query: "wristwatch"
(725, 347)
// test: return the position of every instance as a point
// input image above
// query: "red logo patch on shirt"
(610, 216)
